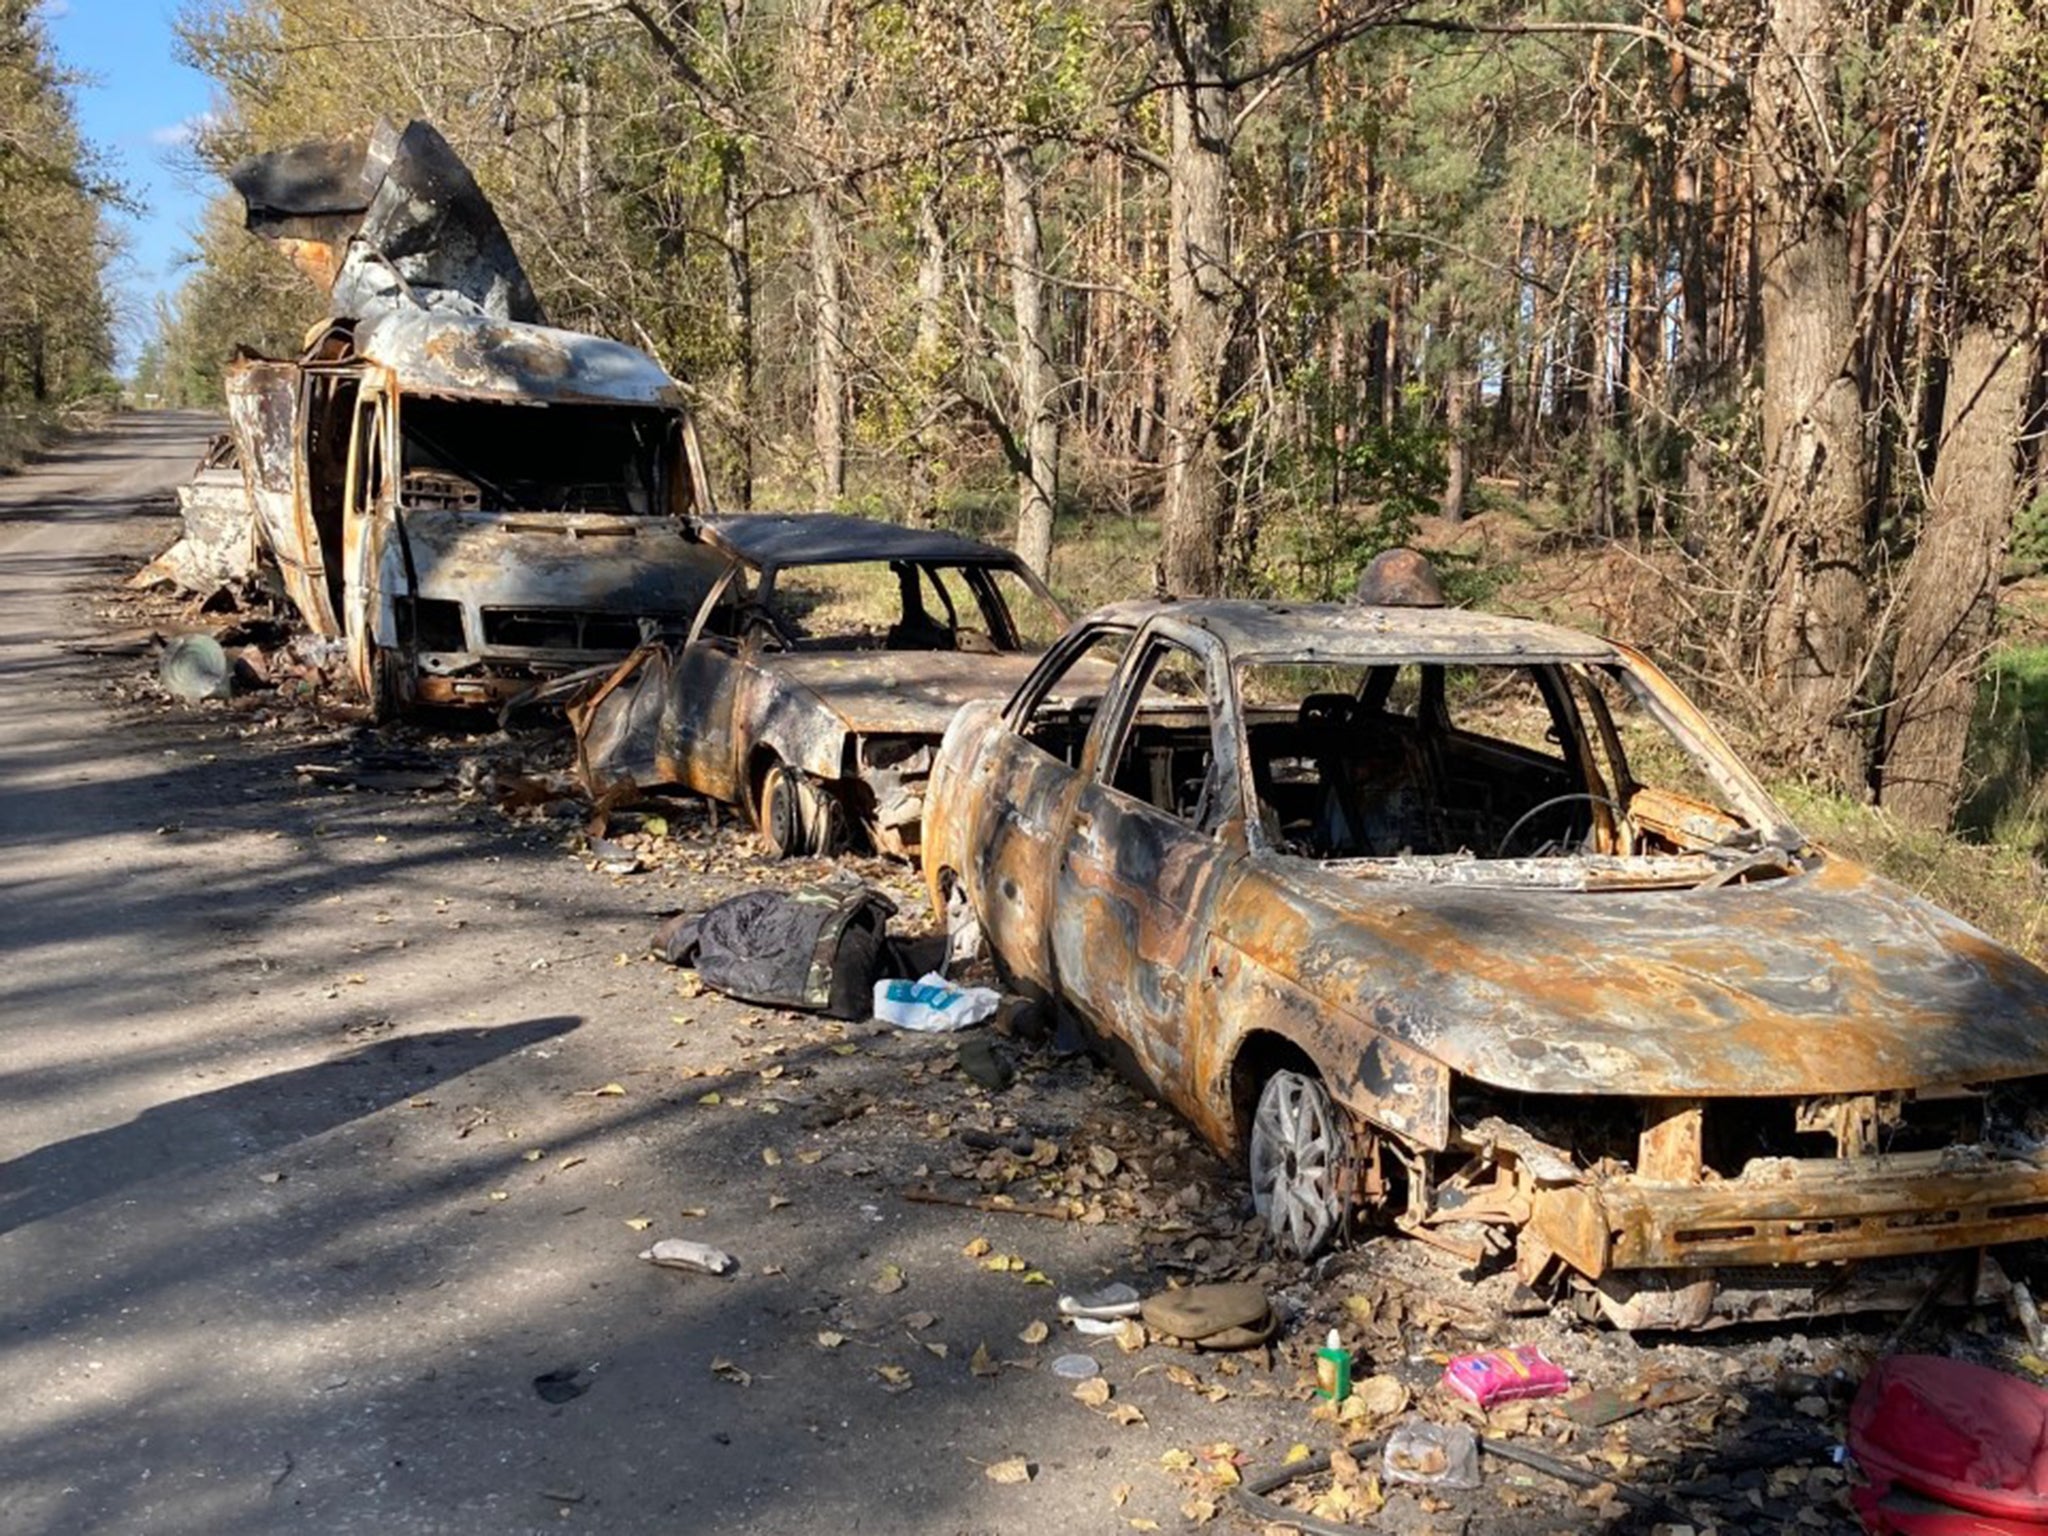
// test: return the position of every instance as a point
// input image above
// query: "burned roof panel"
(1254, 631)
(833, 538)
(443, 354)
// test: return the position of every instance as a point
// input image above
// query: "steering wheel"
(1541, 806)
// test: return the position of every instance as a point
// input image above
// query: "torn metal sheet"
(217, 542)
(1633, 1030)
(391, 219)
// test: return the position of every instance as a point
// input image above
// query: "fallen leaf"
(1128, 1414)
(827, 1339)
(982, 1363)
(713, 1097)
(1093, 1392)
(888, 1282)
(1037, 1277)
(771, 1157)
(895, 1375)
(639, 1223)
(1130, 1336)
(1296, 1452)
(693, 1211)
(1200, 1511)
(976, 1248)
(609, 1091)
(1002, 1263)
(1177, 1460)
(918, 1320)
(1015, 1470)
(1380, 1397)
(1102, 1160)
(1120, 1495)
(532, 1155)
(934, 1348)
(499, 1194)
(1140, 1523)
(725, 1370)
(567, 1163)
(1035, 1332)
(777, 1202)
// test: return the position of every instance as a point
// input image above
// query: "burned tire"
(781, 813)
(799, 818)
(1296, 1157)
(387, 694)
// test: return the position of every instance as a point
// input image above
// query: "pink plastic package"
(1503, 1375)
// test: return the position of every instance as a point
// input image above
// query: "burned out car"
(1478, 923)
(816, 680)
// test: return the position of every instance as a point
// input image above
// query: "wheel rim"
(1296, 1151)
(778, 813)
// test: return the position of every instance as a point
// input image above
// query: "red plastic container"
(1951, 1449)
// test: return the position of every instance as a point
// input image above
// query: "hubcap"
(1296, 1150)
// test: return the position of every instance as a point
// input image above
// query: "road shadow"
(260, 1116)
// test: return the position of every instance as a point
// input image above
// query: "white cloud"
(181, 134)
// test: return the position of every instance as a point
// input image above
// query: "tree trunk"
(1814, 608)
(1951, 589)
(1038, 475)
(1458, 391)
(828, 348)
(928, 360)
(1192, 38)
(739, 314)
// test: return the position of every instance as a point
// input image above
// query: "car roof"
(1317, 632)
(836, 538)
(437, 353)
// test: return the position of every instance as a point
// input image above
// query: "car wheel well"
(1259, 1055)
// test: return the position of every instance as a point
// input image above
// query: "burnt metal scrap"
(821, 730)
(1375, 897)
(390, 219)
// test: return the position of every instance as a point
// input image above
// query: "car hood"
(907, 693)
(629, 565)
(1827, 981)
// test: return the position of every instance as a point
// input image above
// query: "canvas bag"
(818, 949)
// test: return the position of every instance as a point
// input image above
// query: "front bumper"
(1798, 1211)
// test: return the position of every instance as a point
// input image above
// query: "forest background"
(1716, 325)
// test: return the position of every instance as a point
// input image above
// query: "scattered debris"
(1221, 1317)
(1505, 1376)
(681, 1253)
(1435, 1455)
(816, 949)
(195, 668)
(932, 1004)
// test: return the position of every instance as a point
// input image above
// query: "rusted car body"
(1376, 897)
(819, 721)
(472, 499)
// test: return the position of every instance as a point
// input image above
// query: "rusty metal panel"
(263, 411)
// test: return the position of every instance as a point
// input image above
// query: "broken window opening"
(495, 456)
(899, 605)
(1515, 765)
(1059, 708)
(1165, 754)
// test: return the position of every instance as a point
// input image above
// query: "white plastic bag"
(933, 1005)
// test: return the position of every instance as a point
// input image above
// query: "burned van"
(473, 504)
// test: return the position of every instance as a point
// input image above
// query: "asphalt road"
(304, 1174)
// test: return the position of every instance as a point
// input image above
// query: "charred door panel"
(1019, 794)
(697, 747)
(263, 400)
(1131, 912)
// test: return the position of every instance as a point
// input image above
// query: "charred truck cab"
(473, 504)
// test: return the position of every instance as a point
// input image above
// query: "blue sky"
(136, 107)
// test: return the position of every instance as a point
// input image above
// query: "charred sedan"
(1477, 922)
(813, 685)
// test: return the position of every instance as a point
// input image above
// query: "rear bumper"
(1793, 1211)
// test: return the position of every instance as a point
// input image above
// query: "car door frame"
(1135, 886)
